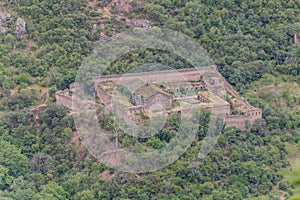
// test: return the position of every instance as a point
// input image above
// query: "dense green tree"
(12, 159)
(52, 191)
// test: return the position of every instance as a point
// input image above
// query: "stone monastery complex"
(136, 95)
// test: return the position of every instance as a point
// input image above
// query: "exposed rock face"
(103, 37)
(20, 27)
(122, 6)
(140, 23)
(3, 29)
(4, 17)
(98, 26)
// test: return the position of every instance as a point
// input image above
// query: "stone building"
(64, 98)
(204, 87)
(149, 95)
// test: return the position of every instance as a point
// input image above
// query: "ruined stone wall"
(136, 109)
(203, 99)
(232, 92)
(103, 96)
(236, 120)
(194, 86)
(165, 100)
(137, 99)
(196, 74)
(251, 113)
(189, 74)
(122, 113)
(63, 98)
(75, 86)
(255, 113)
(192, 74)
(240, 120)
(221, 110)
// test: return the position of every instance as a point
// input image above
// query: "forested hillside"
(251, 42)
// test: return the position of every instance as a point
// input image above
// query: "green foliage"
(52, 191)
(5, 178)
(20, 101)
(41, 156)
(53, 114)
(246, 39)
(85, 195)
(12, 160)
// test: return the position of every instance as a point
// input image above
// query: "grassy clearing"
(292, 174)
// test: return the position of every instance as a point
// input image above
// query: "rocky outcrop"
(98, 26)
(20, 27)
(4, 17)
(140, 23)
(122, 6)
(3, 29)
(103, 37)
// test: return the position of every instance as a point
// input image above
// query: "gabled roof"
(149, 90)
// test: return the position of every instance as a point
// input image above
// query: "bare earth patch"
(107, 176)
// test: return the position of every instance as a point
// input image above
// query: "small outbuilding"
(149, 95)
